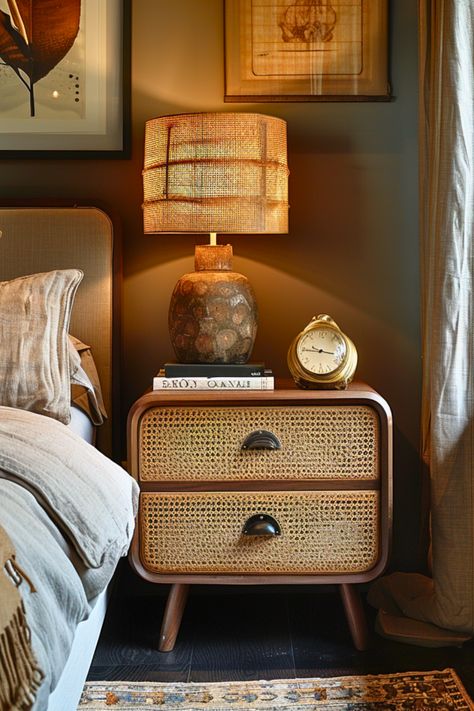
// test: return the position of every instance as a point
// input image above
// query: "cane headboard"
(39, 239)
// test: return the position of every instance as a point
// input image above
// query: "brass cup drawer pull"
(262, 525)
(261, 439)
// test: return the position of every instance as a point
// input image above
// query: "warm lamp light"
(215, 173)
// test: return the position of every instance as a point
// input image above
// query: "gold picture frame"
(306, 50)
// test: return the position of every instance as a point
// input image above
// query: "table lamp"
(214, 173)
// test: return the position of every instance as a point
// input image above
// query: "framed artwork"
(64, 78)
(306, 50)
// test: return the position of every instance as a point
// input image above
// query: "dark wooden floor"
(231, 633)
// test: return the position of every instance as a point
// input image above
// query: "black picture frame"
(104, 128)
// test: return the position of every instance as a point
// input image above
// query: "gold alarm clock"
(322, 356)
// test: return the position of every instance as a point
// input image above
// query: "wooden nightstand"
(251, 487)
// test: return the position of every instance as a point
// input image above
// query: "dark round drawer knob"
(262, 525)
(261, 439)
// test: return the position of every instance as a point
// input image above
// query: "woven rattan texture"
(215, 172)
(321, 532)
(193, 443)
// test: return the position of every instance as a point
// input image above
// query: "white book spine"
(264, 382)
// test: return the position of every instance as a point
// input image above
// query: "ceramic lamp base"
(213, 313)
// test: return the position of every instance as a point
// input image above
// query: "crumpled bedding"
(69, 512)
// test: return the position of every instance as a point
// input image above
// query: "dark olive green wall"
(352, 249)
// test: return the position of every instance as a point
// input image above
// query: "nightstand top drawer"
(285, 435)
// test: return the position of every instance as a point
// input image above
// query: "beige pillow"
(34, 321)
(86, 392)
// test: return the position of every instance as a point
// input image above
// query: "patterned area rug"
(436, 690)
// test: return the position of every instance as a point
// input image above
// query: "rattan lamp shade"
(216, 172)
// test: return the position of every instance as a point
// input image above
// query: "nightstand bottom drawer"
(330, 532)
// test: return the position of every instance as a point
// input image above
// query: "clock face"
(321, 350)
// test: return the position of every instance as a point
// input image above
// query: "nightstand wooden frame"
(287, 395)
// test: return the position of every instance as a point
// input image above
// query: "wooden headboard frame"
(38, 239)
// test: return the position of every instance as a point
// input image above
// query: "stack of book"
(212, 376)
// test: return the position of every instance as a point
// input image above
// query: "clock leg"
(174, 609)
(355, 616)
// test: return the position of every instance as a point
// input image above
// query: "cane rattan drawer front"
(206, 443)
(321, 532)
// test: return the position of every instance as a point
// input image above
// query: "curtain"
(446, 84)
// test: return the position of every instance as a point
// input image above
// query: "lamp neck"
(213, 257)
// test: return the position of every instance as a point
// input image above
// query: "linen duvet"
(69, 512)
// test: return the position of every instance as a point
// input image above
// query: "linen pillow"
(86, 392)
(35, 312)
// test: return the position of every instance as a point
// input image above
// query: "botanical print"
(308, 21)
(61, 76)
(297, 38)
(306, 50)
(42, 59)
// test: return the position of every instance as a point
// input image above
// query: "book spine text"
(251, 383)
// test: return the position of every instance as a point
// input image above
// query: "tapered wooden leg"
(174, 609)
(355, 616)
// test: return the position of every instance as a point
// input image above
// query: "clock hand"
(319, 350)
